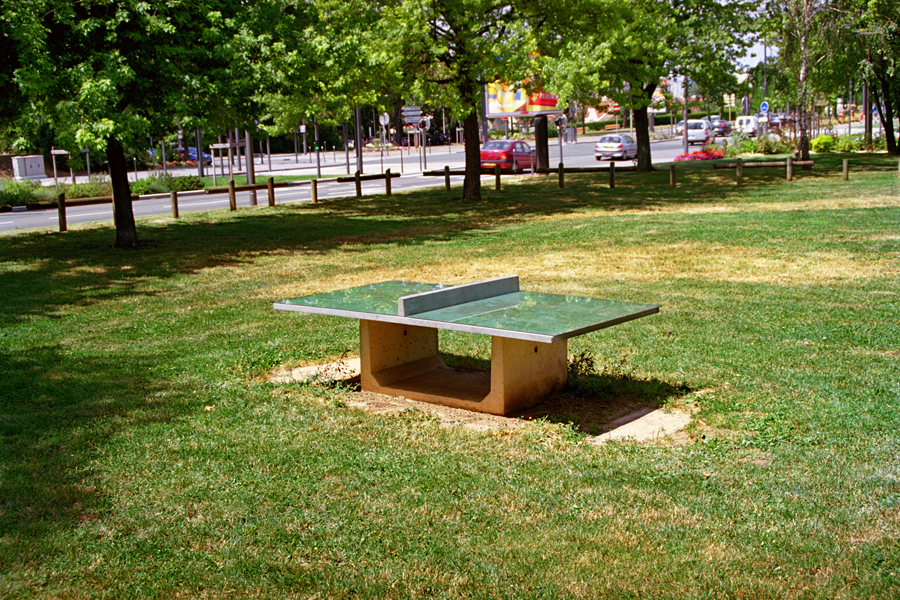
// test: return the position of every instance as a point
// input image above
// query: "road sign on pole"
(764, 107)
(411, 114)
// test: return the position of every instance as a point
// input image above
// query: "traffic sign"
(384, 118)
(411, 114)
(615, 108)
(764, 107)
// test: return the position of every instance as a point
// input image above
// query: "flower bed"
(705, 154)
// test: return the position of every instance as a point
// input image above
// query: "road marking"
(74, 214)
(202, 203)
(7, 222)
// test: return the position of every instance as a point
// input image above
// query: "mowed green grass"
(144, 453)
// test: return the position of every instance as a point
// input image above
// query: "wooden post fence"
(496, 177)
(314, 191)
(446, 178)
(789, 174)
(846, 169)
(270, 185)
(739, 171)
(672, 176)
(232, 199)
(61, 207)
(612, 175)
(562, 176)
(358, 184)
(174, 196)
(387, 182)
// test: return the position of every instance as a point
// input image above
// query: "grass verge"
(145, 454)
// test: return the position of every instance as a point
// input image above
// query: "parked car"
(191, 154)
(611, 147)
(509, 154)
(749, 125)
(438, 139)
(700, 132)
(679, 128)
(721, 127)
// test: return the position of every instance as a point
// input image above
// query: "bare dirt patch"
(616, 417)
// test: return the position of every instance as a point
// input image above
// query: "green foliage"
(98, 185)
(848, 143)
(20, 193)
(822, 143)
(164, 182)
(740, 143)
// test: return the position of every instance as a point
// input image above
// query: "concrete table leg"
(402, 360)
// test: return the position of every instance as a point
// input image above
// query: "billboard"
(505, 101)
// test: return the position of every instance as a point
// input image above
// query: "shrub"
(773, 144)
(848, 143)
(160, 184)
(20, 193)
(96, 186)
(738, 144)
(823, 143)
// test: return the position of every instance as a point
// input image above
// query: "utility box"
(28, 167)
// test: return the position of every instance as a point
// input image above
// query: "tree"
(625, 54)
(447, 51)
(104, 74)
(875, 28)
(806, 30)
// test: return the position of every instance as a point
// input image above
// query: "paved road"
(579, 154)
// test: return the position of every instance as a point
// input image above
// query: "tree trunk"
(123, 215)
(642, 133)
(886, 115)
(472, 181)
(804, 133)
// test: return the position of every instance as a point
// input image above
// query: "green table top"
(521, 315)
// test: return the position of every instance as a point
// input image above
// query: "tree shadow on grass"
(594, 400)
(56, 412)
(43, 271)
(598, 403)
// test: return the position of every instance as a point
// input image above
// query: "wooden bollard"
(789, 175)
(358, 185)
(174, 196)
(61, 207)
(846, 169)
(497, 177)
(232, 199)
(739, 172)
(612, 175)
(270, 185)
(671, 175)
(387, 182)
(314, 191)
(446, 178)
(562, 176)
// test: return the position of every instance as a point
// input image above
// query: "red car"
(509, 154)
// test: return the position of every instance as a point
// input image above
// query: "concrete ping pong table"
(398, 338)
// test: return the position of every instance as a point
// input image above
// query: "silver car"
(700, 132)
(613, 146)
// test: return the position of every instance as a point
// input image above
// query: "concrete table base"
(402, 360)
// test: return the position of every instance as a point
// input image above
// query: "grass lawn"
(144, 453)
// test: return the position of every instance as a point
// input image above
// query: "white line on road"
(81, 215)
(202, 203)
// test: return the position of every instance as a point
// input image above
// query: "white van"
(749, 125)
